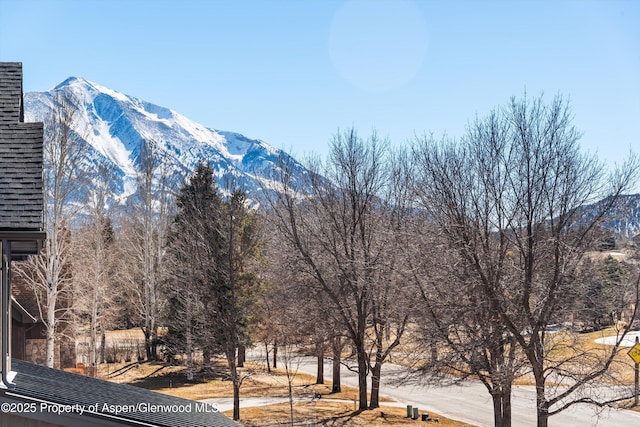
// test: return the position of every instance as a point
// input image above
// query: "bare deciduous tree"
(147, 225)
(338, 225)
(508, 197)
(460, 334)
(94, 268)
(49, 274)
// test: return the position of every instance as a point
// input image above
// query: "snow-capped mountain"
(624, 218)
(116, 126)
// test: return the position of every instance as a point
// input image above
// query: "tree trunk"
(189, 350)
(236, 394)
(231, 360)
(320, 359)
(375, 384)
(376, 372)
(337, 349)
(52, 294)
(242, 352)
(506, 406)
(154, 343)
(51, 335)
(103, 345)
(497, 409)
(93, 337)
(501, 393)
(543, 417)
(266, 351)
(290, 388)
(536, 358)
(275, 354)
(147, 342)
(50, 345)
(362, 379)
(542, 406)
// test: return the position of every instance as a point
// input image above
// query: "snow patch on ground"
(616, 254)
(628, 341)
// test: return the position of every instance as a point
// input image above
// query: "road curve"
(469, 401)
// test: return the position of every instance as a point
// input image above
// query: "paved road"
(226, 403)
(470, 402)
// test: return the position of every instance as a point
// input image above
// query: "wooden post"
(637, 378)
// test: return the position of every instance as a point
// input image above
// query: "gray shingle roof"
(64, 388)
(11, 92)
(21, 191)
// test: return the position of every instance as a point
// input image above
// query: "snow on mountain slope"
(116, 126)
(624, 219)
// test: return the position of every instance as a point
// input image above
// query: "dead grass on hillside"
(334, 414)
(629, 405)
(573, 350)
(213, 381)
(132, 372)
(580, 350)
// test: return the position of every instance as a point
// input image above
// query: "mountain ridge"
(116, 126)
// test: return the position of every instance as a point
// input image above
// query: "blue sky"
(292, 72)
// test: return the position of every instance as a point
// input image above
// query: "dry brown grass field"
(579, 349)
(582, 349)
(335, 410)
(335, 414)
